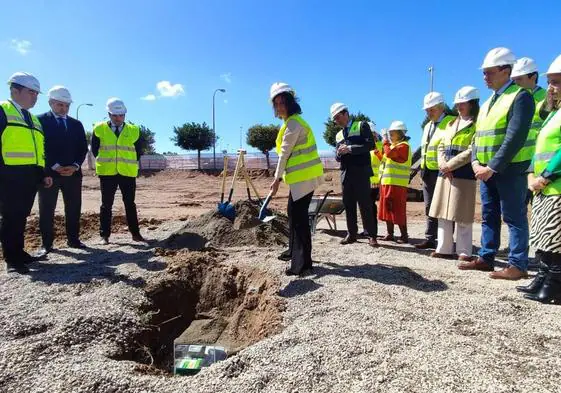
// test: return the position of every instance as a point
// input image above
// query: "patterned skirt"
(545, 229)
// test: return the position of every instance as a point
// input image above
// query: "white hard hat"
(398, 126)
(116, 106)
(60, 93)
(555, 67)
(465, 94)
(25, 79)
(278, 88)
(432, 99)
(498, 57)
(337, 108)
(523, 66)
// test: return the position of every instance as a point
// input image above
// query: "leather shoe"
(509, 273)
(425, 245)
(104, 241)
(76, 244)
(435, 254)
(17, 268)
(465, 258)
(138, 238)
(372, 242)
(476, 264)
(285, 256)
(402, 240)
(348, 240)
(388, 238)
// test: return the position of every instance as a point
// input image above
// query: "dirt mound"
(213, 230)
(89, 227)
(205, 301)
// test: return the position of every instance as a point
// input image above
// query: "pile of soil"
(89, 227)
(213, 230)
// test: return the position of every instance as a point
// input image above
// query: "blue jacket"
(63, 146)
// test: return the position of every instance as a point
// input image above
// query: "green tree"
(263, 138)
(147, 140)
(331, 129)
(193, 136)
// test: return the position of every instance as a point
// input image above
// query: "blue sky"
(372, 56)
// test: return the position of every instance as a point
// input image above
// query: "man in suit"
(503, 148)
(354, 142)
(22, 163)
(117, 148)
(65, 150)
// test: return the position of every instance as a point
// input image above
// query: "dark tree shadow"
(384, 274)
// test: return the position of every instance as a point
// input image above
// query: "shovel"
(226, 209)
(264, 213)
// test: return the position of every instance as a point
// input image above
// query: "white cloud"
(166, 89)
(226, 77)
(149, 97)
(20, 46)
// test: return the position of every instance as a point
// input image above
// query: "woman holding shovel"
(301, 168)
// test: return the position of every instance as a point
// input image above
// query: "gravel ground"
(388, 320)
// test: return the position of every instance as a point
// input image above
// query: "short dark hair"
(16, 86)
(536, 74)
(291, 103)
(505, 66)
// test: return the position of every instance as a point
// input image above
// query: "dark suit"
(64, 146)
(356, 171)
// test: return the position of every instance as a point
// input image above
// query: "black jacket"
(358, 161)
(65, 147)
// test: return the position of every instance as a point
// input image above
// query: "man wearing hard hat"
(354, 142)
(65, 151)
(435, 108)
(22, 164)
(502, 151)
(116, 146)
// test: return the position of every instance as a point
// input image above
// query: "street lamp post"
(213, 129)
(78, 110)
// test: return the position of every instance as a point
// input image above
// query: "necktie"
(61, 123)
(27, 117)
(493, 99)
(117, 130)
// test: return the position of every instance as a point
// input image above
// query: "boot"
(536, 284)
(551, 288)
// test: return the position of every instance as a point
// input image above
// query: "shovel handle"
(224, 175)
(234, 178)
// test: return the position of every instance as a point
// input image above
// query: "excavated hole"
(215, 302)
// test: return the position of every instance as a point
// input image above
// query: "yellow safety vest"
(21, 144)
(547, 145)
(455, 142)
(429, 153)
(116, 155)
(375, 162)
(304, 162)
(491, 128)
(396, 173)
(354, 130)
(539, 99)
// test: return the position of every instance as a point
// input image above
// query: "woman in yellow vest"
(454, 195)
(394, 181)
(300, 166)
(545, 182)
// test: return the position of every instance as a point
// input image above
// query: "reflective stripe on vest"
(396, 173)
(117, 155)
(429, 149)
(491, 128)
(21, 144)
(539, 99)
(304, 162)
(375, 163)
(547, 145)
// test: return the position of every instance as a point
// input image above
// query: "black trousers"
(71, 188)
(109, 185)
(429, 182)
(300, 237)
(356, 189)
(374, 194)
(16, 201)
